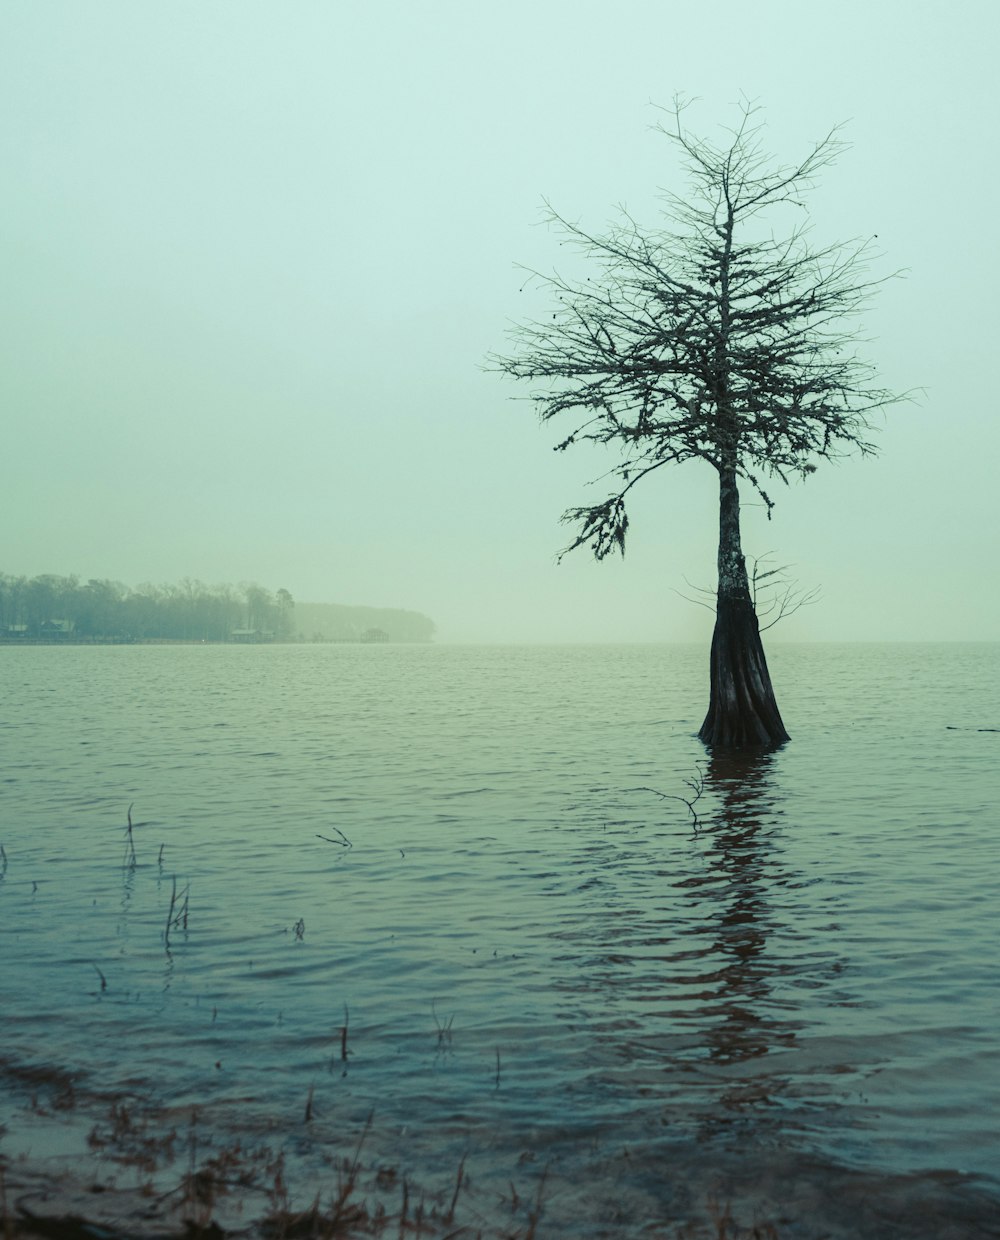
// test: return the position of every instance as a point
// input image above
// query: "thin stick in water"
(344, 842)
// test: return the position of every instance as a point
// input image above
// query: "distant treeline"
(64, 607)
(52, 608)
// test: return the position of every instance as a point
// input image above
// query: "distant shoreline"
(199, 641)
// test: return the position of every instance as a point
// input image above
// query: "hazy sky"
(255, 254)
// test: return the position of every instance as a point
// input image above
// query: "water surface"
(539, 951)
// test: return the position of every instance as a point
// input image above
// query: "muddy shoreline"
(126, 1170)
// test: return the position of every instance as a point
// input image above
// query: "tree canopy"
(710, 337)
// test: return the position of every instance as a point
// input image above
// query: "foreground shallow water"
(462, 890)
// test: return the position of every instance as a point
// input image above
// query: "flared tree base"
(742, 712)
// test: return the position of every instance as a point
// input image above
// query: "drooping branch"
(604, 525)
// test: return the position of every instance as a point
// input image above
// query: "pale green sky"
(255, 254)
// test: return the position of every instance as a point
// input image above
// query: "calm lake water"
(540, 957)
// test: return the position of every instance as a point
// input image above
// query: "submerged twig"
(170, 913)
(536, 1213)
(443, 1031)
(405, 1210)
(130, 857)
(180, 917)
(346, 1186)
(697, 786)
(343, 842)
(450, 1216)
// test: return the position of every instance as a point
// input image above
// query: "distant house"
(56, 628)
(251, 635)
(15, 630)
(374, 635)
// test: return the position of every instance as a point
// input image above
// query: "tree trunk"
(742, 712)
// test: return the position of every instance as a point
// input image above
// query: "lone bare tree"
(713, 339)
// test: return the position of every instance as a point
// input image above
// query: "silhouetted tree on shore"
(710, 339)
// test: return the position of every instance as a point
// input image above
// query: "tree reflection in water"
(692, 959)
(742, 873)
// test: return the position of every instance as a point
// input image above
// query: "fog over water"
(257, 253)
(485, 898)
